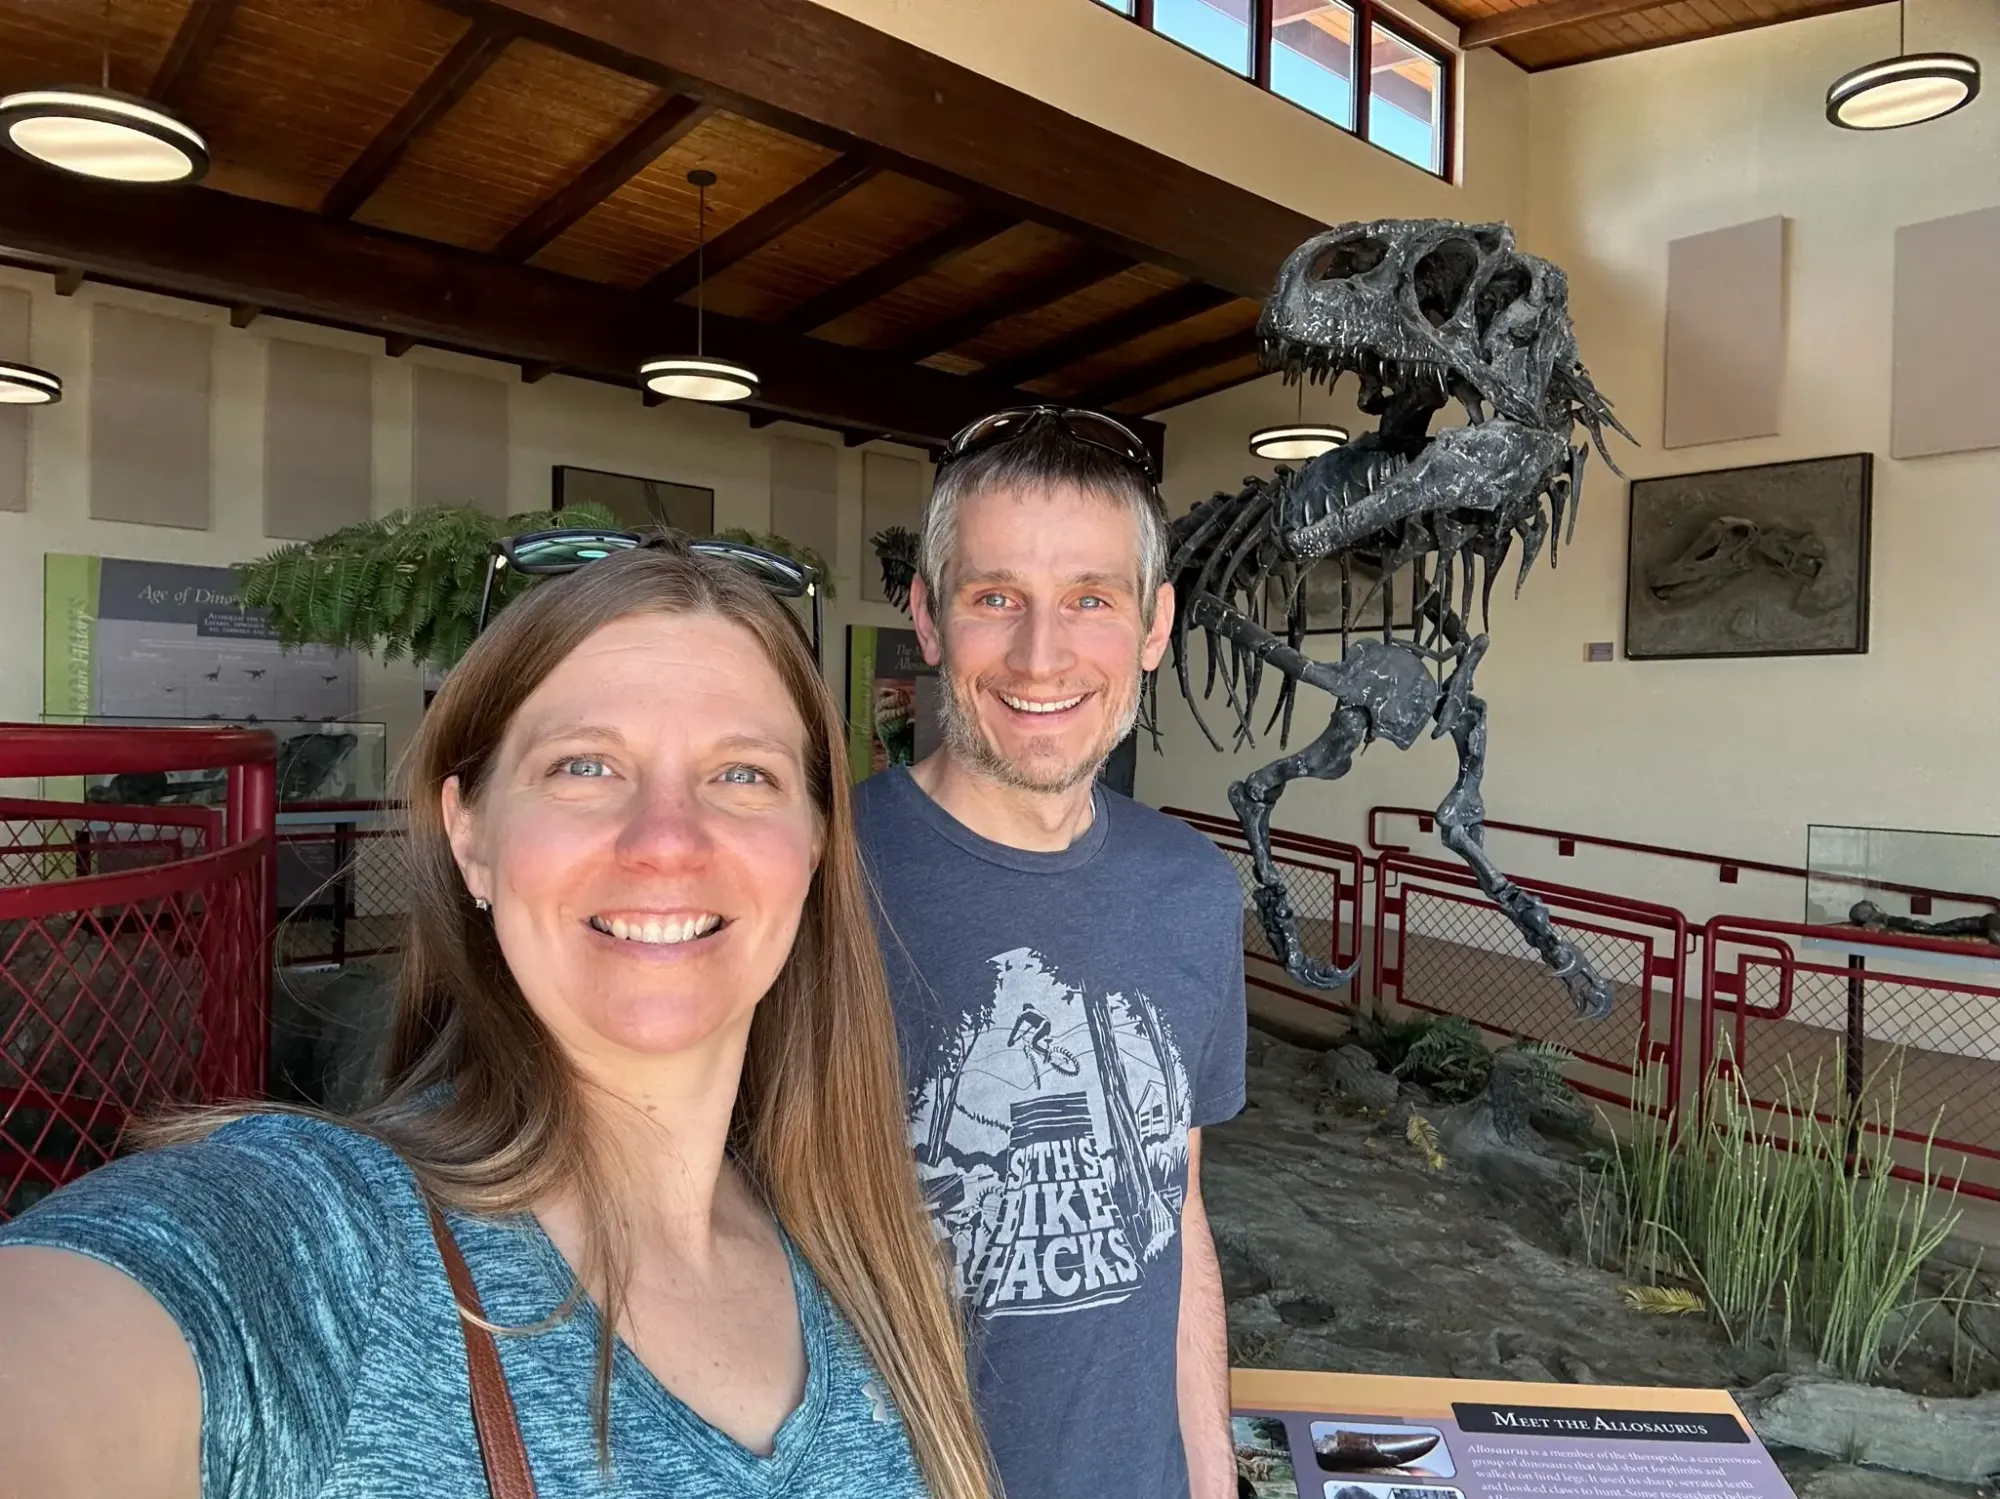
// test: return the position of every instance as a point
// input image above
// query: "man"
(1068, 972)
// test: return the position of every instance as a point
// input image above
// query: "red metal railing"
(1443, 948)
(1870, 1013)
(1737, 994)
(134, 945)
(1726, 869)
(1326, 880)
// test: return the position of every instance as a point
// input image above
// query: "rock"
(1848, 1482)
(1955, 1440)
(1529, 1370)
(1351, 1072)
(1242, 1274)
(1575, 1370)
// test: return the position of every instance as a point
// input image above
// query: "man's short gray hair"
(1042, 459)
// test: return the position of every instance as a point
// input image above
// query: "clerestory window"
(1312, 51)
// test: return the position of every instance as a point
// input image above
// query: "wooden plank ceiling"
(1539, 34)
(509, 177)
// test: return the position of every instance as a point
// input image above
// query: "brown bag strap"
(500, 1445)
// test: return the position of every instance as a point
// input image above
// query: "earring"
(480, 902)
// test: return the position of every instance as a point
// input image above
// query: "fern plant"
(409, 584)
(1450, 1057)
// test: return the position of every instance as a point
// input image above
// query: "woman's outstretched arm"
(99, 1398)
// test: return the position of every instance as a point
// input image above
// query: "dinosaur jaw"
(1366, 491)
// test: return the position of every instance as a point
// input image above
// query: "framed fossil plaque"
(1770, 560)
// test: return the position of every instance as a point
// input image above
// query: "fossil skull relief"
(1424, 313)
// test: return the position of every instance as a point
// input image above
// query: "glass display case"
(1901, 880)
(317, 762)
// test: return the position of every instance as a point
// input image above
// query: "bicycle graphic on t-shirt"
(1036, 1027)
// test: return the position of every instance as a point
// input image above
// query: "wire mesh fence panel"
(43, 841)
(343, 887)
(1443, 948)
(1903, 1045)
(122, 991)
(1323, 880)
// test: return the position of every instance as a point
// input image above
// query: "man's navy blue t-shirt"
(1065, 1018)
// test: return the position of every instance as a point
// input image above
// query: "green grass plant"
(1786, 1218)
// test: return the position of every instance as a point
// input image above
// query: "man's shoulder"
(878, 801)
(1170, 847)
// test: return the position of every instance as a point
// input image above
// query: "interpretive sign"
(1367, 1436)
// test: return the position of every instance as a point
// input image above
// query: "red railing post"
(140, 979)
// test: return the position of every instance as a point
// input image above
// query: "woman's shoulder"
(263, 1188)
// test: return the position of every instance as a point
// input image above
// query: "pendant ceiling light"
(24, 385)
(1906, 89)
(1298, 439)
(698, 377)
(99, 132)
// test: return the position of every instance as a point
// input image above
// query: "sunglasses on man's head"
(548, 553)
(1092, 427)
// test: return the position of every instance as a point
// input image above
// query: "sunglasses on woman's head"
(1092, 427)
(548, 553)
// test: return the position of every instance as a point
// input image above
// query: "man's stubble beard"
(966, 739)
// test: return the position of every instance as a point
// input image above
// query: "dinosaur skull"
(1425, 312)
(1728, 548)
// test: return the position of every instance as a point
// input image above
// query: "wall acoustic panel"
(805, 497)
(1946, 355)
(150, 387)
(892, 494)
(459, 452)
(319, 435)
(1725, 334)
(15, 307)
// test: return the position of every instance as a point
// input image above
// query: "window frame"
(1368, 14)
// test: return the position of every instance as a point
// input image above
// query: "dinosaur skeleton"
(1424, 313)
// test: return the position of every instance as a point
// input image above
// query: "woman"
(644, 1062)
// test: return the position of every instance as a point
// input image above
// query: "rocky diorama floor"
(1342, 1249)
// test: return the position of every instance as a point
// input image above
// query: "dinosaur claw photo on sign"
(1770, 560)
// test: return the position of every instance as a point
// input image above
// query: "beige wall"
(557, 420)
(1735, 756)
(1095, 64)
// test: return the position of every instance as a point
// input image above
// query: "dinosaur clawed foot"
(1588, 991)
(1281, 930)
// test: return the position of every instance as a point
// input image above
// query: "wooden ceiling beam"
(899, 269)
(750, 234)
(201, 243)
(1151, 315)
(1546, 15)
(470, 57)
(1219, 383)
(1085, 270)
(806, 69)
(651, 139)
(1136, 382)
(194, 42)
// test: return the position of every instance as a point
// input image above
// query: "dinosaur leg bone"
(1461, 818)
(1327, 758)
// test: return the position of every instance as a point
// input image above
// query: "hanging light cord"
(107, 46)
(700, 264)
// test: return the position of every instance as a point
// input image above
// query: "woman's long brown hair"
(819, 1125)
